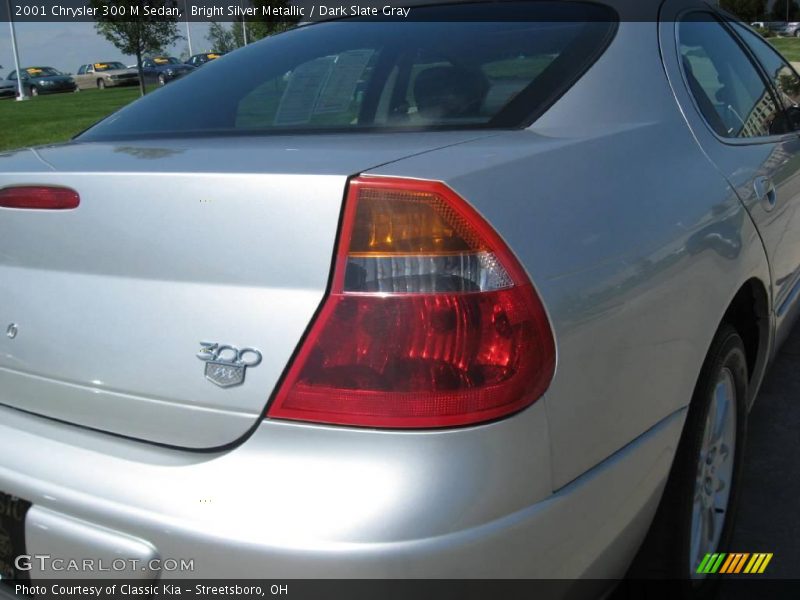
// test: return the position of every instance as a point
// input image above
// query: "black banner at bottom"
(383, 589)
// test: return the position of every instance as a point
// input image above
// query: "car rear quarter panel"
(635, 242)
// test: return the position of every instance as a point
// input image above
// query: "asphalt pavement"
(769, 504)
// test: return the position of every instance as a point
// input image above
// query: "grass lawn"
(57, 117)
(789, 47)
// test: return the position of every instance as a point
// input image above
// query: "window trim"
(730, 141)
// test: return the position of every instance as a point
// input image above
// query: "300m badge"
(226, 365)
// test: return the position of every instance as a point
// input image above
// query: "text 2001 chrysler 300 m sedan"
(467, 295)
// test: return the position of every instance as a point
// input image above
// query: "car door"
(81, 78)
(91, 76)
(743, 124)
(26, 88)
(149, 71)
(782, 229)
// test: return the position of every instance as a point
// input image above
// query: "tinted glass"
(727, 86)
(494, 70)
(783, 76)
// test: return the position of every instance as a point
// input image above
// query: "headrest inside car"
(450, 92)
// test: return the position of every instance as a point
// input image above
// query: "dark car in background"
(8, 89)
(163, 69)
(198, 60)
(43, 80)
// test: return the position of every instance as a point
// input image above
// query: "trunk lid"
(175, 243)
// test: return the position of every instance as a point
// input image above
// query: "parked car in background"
(44, 80)
(199, 60)
(790, 29)
(103, 75)
(8, 89)
(474, 307)
(163, 69)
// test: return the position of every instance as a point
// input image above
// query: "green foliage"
(746, 10)
(226, 38)
(221, 37)
(137, 35)
(764, 32)
(778, 12)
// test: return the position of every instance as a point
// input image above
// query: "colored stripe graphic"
(701, 568)
(734, 563)
(741, 563)
(711, 563)
(731, 560)
(764, 564)
(757, 558)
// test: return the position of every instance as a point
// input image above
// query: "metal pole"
(188, 28)
(20, 90)
(244, 28)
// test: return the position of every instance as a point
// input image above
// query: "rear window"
(493, 65)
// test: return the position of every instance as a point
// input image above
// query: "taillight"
(40, 197)
(431, 321)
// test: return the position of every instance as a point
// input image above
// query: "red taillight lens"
(430, 321)
(39, 197)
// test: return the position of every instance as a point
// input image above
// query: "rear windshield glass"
(489, 65)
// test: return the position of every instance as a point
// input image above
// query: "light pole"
(188, 28)
(20, 90)
(244, 27)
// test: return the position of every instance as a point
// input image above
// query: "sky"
(66, 46)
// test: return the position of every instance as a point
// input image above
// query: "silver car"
(104, 75)
(484, 293)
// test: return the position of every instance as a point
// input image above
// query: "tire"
(101, 85)
(673, 549)
(161, 80)
(34, 91)
(797, 33)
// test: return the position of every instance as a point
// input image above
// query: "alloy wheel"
(715, 466)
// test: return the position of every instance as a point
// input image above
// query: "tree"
(221, 38)
(135, 33)
(261, 26)
(746, 10)
(226, 39)
(184, 55)
(779, 10)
